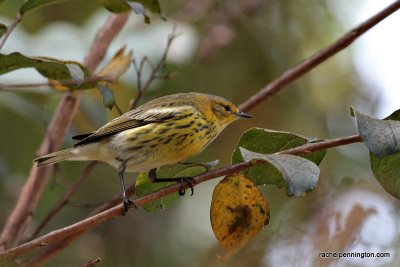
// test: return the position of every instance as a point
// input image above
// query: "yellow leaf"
(58, 86)
(117, 66)
(238, 212)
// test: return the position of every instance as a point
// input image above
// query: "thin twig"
(89, 223)
(92, 79)
(91, 263)
(10, 28)
(320, 145)
(142, 88)
(89, 168)
(119, 110)
(299, 70)
(38, 177)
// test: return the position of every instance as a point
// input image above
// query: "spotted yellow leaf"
(238, 212)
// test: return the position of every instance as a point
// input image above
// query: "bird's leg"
(184, 181)
(125, 200)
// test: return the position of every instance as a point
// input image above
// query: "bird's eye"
(227, 108)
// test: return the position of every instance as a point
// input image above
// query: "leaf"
(107, 94)
(386, 169)
(382, 137)
(117, 66)
(139, 7)
(50, 68)
(269, 142)
(116, 6)
(76, 72)
(144, 186)
(300, 174)
(238, 212)
(3, 29)
(32, 4)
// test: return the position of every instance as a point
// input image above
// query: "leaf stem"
(10, 28)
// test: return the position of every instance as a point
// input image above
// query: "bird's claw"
(126, 202)
(186, 182)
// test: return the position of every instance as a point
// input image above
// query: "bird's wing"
(132, 119)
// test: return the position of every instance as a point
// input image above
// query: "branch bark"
(71, 232)
(37, 179)
(299, 70)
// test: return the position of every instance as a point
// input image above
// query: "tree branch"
(34, 186)
(15, 87)
(85, 225)
(299, 70)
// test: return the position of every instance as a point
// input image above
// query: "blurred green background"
(231, 49)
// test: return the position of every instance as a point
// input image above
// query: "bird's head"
(225, 112)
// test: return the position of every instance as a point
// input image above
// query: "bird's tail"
(53, 157)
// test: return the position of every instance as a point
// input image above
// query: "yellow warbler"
(163, 131)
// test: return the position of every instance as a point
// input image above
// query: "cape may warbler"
(163, 131)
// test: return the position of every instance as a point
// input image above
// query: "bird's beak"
(243, 115)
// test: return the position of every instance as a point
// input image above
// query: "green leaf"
(265, 141)
(144, 186)
(49, 67)
(107, 94)
(382, 137)
(139, 7)
(3, 29)
(32, 4)
(116, 6)
(386, 169)
(300, 175)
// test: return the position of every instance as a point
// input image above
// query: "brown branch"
(10, 28)
(14, 87)
(34, 186)
(296, 72)
(71, 232)
(311, 147)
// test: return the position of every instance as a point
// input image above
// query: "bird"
(163, 131)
